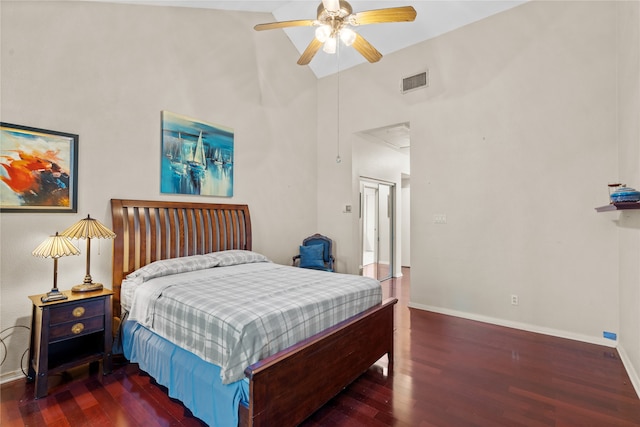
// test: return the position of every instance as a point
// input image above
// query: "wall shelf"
(618, 206)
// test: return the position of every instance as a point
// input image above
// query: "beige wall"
(519, 147)
(628, 223)
(105, 72)
(515, 141)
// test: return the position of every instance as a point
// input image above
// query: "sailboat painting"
(197, 157)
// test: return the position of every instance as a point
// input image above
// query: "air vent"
(418, 81)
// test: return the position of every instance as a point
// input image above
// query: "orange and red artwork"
(37, 169)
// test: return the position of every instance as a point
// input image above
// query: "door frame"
(381, 212)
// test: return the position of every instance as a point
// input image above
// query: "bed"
(150, 232)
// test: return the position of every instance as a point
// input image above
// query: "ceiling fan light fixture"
(334, 17)
(323, 32)
(330, 46)
(348, 36)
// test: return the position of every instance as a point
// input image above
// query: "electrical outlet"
(514, 299)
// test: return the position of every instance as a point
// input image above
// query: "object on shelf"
(623, 194)
(612, 188)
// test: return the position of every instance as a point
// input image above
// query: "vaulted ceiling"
(434, 17)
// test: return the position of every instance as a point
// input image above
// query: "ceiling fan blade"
(378, 16)
(365, 48)
(310, 52)
(285, 24)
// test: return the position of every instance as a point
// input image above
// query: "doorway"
(377, 226)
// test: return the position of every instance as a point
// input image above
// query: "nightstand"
(68, 333)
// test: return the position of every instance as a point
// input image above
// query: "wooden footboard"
(288, 387)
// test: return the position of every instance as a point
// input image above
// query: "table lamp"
(55, 247)
(88, 228)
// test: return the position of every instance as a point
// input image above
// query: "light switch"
(440, 218)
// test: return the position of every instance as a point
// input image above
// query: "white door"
(377, 209)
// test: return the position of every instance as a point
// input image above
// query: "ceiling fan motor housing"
(325, 15)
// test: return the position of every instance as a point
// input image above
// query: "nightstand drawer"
(76, 328)
(78, 311)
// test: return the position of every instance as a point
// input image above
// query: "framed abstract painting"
(39, 170)
(197, 157)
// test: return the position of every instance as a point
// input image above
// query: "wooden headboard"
(148, 231)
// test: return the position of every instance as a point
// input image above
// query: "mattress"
(234, 308)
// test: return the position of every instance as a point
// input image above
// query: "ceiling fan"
(335, 19)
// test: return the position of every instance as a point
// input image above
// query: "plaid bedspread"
(239, 313)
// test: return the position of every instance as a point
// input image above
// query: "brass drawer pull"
(78, 311)
(77, 328)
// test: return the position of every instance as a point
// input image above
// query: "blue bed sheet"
(196, 383)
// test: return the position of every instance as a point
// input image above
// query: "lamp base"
(87, 287)
(54, 295)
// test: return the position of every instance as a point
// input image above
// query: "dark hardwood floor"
(448, 372)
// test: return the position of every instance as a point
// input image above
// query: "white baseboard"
(7, 377)
(633, 375)
(518, 325)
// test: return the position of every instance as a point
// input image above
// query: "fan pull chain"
(338, 159)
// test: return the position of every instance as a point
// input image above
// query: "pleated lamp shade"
(88, 228)
(55, 247)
